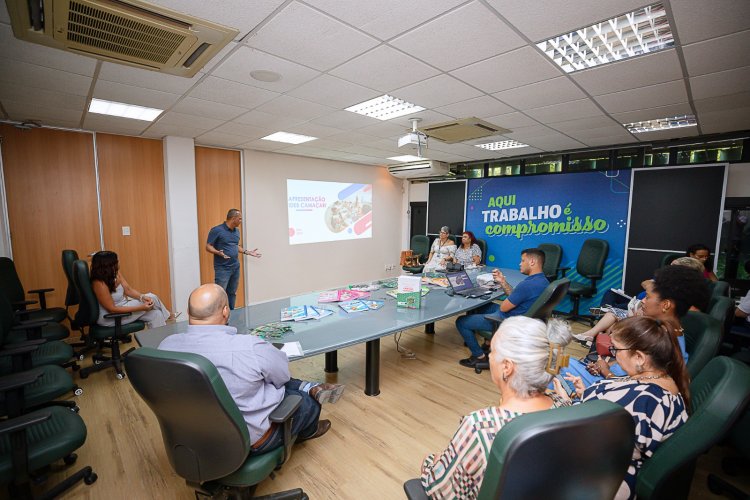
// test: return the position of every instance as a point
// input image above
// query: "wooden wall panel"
(131, 180)
(219, 188)
(50, 183)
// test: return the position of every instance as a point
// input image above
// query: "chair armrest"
(16, 380)
(414, 490)
(42, 298)
(41, 290)
(20, 305)
(24, 421)
(33, 329)
(117, 315)
(283, 413)
(21, 348)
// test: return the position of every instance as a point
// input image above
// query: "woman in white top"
(441, 252)
(115, 295)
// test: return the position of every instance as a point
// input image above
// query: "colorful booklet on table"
(354, 306)
(341, 295)
(394, 293)
(302, 313)
(374, 304)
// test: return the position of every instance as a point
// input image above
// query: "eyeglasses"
(613, 350)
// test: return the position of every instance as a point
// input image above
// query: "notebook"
(462, 285)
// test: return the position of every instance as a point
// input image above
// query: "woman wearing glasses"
(655, 388)
(441, 251)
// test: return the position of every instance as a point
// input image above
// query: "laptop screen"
(459, 281)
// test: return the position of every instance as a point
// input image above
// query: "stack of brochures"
(394, 293)
(302, 313)
(358, 305)
(341, 295)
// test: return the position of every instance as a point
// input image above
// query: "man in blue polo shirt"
(518, 301)
(224, 243)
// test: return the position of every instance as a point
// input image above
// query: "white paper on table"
(292, 349)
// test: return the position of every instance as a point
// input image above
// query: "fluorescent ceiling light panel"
(288, 137)
(385, 107)
(661, 124)
(112, 108)
(497, 146)
(639, 32)
(406, 158)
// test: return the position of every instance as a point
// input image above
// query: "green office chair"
(541, 309)
(550, 454)
(590, 265)
(483, 247)
(702, 340)
(420, 245)
(719, 394)
(718, 289)
(104, 336)
(10, 285)
(668, 258)
(552, 259)
(731, 465)
(205, 436)
(71, 300)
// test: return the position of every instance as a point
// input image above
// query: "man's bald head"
(208, 305)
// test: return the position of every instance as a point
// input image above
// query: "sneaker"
(327, 393)
(472, 361)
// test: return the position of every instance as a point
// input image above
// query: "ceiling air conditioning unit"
(133, 32)
(418, 169)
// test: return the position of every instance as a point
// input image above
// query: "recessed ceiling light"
(406, 158)
(639, 32)
(385, 107)
(661, 124)
(263, 75)
(288, 137)
(497, 146)
(112, 108)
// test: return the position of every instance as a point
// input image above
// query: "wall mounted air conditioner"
(417, 169)
(133, 32)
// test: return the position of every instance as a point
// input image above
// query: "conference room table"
(341, 329)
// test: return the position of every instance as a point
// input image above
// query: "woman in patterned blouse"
(520, 350)
(655, 392)
(468, 252)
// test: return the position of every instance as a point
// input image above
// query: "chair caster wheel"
(70, 459)
(78, 391)
(75, 367)
(81, 357)
(98, 361)
(477, 370)
(75, 409)
(91, 478)
(83, 374)
(120, 376)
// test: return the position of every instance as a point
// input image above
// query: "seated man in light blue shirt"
(255, 372)
(518, 301)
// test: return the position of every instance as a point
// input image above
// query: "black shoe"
(471, 361)
(486, 348)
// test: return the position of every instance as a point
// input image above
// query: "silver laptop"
(461, 284)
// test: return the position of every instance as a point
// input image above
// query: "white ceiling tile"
(572, 110)
(542, 19)
(717, 54)
(42, 98)
(723, 103)
(645, 97)
(248, 132)
(351, 137)
(210, 109)
(295, 108)
(555, 142)
(481, 107)
(32, 53)
(330, 145)
(128, 94)
(384, 68)
(384, 129)
(47, 115)
(261, 145)
(713, 122)
(232, 93)
(267, 120)
(698, 20)
(535, 95)
(589, 123)
(334, 92)
(318, 40)
(609, 140)
(223, 139)
(228, 48)
(521, 133)
(514, 69)
(237, 67)
(180, 119)
(345, 120)
(599, 132)
(41, 77)
(512, 121)
(160, 130)
(428, 117)
(153, 80)
(443, 41)
(721, 83)
(437, 91)
(313, 130)
(386, 18)
(650, 69)
(653, 113)
(114, 125)
(663, 135)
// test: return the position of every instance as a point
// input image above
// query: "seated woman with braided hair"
(655, 389)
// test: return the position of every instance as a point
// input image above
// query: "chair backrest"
(551, 296)
(10, 283)
(702, 340)
(719, 394)
(204, 434)
(552, 259)
(718, 288)
(88, 306)
(6, 317)
(591, 260)
(71, 295)
(721, 308)
(483, 247)
(420, 244)
(668, 258)
(558, 443)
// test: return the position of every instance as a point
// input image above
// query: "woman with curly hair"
(115, 295)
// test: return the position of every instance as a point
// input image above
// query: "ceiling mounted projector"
(415, 138)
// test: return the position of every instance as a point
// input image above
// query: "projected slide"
(328, 211)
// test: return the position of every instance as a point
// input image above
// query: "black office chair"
(420, 246)
(534, 448)
(205, 436)
(71, 300)
(483, 247)
(590, 265)
(10, 285)
(552, 259)
(104, 336)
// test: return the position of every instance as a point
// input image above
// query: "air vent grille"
(462, 130)
(91, 27)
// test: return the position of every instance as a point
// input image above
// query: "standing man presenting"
(224, 243)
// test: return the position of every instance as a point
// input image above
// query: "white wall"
(738, 180)
(286, 269)
(418, 191)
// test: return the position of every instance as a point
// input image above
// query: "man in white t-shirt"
(743, 310)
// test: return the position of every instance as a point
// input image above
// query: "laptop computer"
(461, 284)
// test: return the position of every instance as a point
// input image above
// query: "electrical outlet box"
(126, 230)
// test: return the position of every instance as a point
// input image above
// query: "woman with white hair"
(519, 367)
(441, 252)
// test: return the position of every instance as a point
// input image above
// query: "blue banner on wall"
(514, 213)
